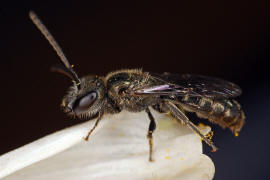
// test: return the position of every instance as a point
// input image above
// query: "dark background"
(224, 39)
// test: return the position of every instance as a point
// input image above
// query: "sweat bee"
(134, 90)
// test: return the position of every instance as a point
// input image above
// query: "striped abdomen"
(224, 112)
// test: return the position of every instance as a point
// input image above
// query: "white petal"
(118, 149)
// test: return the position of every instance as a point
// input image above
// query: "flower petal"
(118, 149)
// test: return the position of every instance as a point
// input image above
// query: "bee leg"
(151, 129)
(181, 117)
(96, 124)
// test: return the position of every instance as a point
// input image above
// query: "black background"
(216, 38)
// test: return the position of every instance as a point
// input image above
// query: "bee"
(91, 97)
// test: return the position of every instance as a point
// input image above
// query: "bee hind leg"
(151, 129)
(181, 117)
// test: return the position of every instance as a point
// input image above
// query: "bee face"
(85, 102)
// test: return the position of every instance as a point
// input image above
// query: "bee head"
(85, 102)
(86, 97)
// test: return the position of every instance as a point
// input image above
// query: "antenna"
(56, 47)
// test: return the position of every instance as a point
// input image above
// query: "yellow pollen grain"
(210, 135)
(72, 66)
(63, 103)
(166, 157)
(122, 134)
(167, 149)
(236, 134)
(182, 158)
(202, 125)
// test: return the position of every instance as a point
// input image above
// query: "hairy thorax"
(120, 86)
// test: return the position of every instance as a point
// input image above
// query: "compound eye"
(85, 102)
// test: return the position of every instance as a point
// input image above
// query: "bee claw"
(214, 149)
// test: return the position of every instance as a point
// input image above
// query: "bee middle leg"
(151, 129)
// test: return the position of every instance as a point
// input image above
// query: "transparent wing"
(193, 85)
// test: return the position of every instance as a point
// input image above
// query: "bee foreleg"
(95, 125)
(151, 129)
(181, 117)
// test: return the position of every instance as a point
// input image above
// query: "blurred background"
(226, 39)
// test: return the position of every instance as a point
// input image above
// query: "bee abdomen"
(224, 112)
(227, 113)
